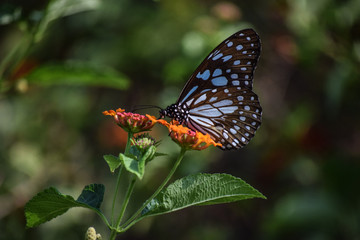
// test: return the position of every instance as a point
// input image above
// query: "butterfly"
(218, 99)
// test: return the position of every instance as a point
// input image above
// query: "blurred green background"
(63, 62)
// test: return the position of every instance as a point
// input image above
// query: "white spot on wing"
(217, 56)
(219, 81)
(234, 76)
(239, 47)
(211, 112)
(189, 102)
(203, 121)
(226, 58)
(205, 90)
(202, 107)
(223, 103)
(217, 72)
(200, 99)
(189, 93)
(205, 75)
(213, 99)
(228, 110)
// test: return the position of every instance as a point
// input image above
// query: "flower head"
(185, 137)
(92, 235)
(143, 142)
(130, 122)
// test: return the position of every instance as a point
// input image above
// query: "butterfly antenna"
(140, 107)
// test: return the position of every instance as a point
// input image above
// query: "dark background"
(64, 62)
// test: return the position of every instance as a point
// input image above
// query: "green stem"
(128, 194)
(132, 220)
(115, 194)
(118, 178)
(123, 208)
(102, 216)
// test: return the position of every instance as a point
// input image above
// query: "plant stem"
(131, 221)
(115, 194)
(126, 200)
(124, 205)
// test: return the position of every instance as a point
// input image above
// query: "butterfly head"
(176, 112)
(163, 113)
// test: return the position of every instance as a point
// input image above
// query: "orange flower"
(186, 137)
(130, 122)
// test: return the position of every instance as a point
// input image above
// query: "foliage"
(50, 203)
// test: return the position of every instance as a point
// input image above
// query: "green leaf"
(113, 162)
(134, 152)
(50, 203)
(200, 189)
(136, 160)
(133, 165)
(62, 8)
(149, 154)
(79, 74)
(92, 195)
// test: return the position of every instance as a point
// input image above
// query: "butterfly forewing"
(231, 63)
(230, 115)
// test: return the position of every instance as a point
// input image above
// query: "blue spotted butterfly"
(218, 99)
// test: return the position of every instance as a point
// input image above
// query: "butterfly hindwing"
(231, 63)
(230, 115)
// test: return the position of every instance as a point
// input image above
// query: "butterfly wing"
(231, 63)
(230, 115)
